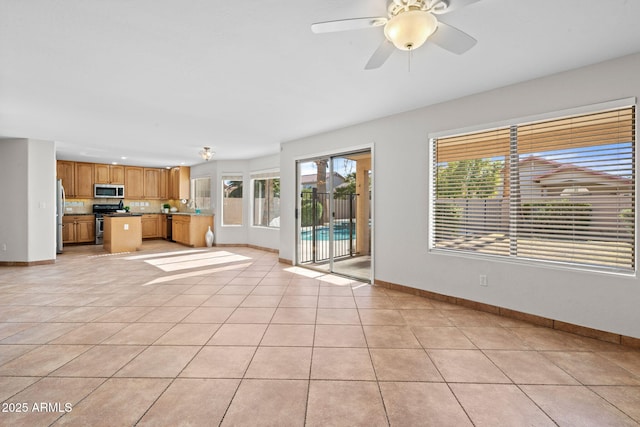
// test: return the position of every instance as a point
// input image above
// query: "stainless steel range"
(100, 210)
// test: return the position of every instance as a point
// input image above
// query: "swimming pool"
(340, 232)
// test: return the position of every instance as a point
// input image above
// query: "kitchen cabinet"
(190, 229)
(84, 180)
(77, 178)
(108, 174)
(151, 226)
(180, 230)
(78, 229)
(133, 182)
(164, 184)
(66, 171)
(152, 183)
(179, 182)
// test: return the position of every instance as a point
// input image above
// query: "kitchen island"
(122, 232)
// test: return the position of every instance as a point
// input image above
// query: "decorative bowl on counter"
(174, 209)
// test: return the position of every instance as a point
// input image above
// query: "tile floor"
(228, 336)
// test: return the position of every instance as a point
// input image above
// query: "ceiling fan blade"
(452, 39)
(450, 5)
(380, 56)
(347, 24)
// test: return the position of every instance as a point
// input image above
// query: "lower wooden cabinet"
(180, 229)
(190, 229)
(151, 226)
(78, 229)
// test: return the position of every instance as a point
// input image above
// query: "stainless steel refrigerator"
(59, 214)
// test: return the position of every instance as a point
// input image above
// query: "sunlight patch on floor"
(165, 279)
(163, 254)
(304, 272)
(195, 260)
(336, 280)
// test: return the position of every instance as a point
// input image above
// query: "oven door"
(99, 229)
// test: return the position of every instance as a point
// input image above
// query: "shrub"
(555, 215)
(307, 219)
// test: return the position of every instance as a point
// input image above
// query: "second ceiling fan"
(408, 26)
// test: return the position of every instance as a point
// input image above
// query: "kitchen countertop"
(189, 214)
(116, 215)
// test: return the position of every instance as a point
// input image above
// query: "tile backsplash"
(78, 206)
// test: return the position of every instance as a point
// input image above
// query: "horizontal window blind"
(470, 192)
(265, 175)
(557, 190)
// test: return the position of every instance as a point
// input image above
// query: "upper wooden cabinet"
(84, 180)
(78, 179)
(133, 182)
(164, 184)
(152, 181)
(108, 174)
(66, 171)
(179, 182)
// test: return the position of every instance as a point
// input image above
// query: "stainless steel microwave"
(108, 191)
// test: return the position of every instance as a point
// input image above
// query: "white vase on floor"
(208, 237)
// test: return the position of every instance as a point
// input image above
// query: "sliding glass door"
(334, 214)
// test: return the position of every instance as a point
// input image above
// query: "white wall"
(42, 200)
(13, 218)
(401, 167)
(245, 234)
(27, 220)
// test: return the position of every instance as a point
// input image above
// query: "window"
(201, 193)
(560, 191)
(232, 200)
(266, 200)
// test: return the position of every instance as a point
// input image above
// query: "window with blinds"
(559, 191)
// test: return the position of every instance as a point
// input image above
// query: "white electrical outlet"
(126, 226)
(483, 280)
(4, 246)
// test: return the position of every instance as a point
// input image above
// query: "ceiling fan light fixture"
(206, 153)
(409, 30)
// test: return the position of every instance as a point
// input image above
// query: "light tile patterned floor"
(228, 336)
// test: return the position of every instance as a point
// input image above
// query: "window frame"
(194, 197)
(621, 104)
(265, 176)
(231, 177)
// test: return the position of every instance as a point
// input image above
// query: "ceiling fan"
(409, 25)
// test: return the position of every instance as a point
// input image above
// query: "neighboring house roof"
(566, 171)
(312, 178)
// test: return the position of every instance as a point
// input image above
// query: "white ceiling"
(156, 80)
